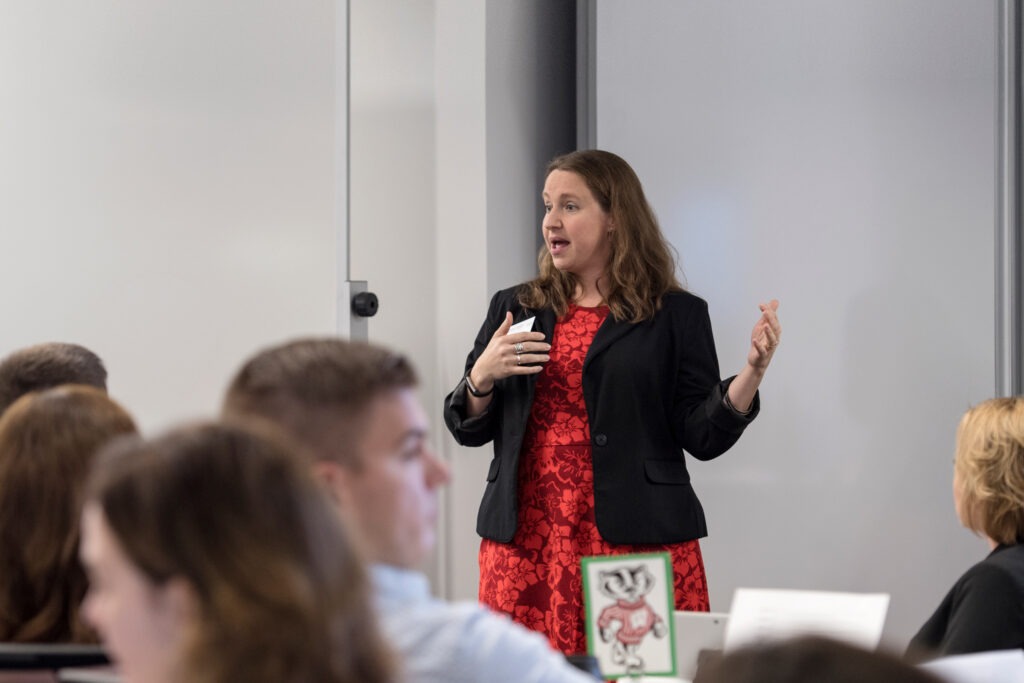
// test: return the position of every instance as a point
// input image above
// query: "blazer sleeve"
(705, 427)
(480, 429)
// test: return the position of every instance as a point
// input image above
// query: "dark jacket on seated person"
(983, 611)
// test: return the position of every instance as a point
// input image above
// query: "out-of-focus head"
(988, 474)
(640, 262)
(809, 659)
(319, 391)
(48, 440)
(214, 556)
(353, 407)
(48, 365)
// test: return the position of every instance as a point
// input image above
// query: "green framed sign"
(629, 606)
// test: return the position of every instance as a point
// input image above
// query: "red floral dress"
(537, 578)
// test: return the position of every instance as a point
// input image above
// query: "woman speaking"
(591, 380)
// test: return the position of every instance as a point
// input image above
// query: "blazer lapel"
(545, 323)
(609, 331)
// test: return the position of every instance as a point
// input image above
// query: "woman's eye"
(547, 208)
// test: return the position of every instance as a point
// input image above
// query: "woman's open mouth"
(557, 246)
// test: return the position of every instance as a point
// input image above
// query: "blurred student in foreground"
(985, 608)
(48, 365)
(354, 407)
(809, 659)
(214, 556)
(48, 440)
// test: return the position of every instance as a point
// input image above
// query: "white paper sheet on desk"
(1004, 666)
(764, 614)
(522, 326)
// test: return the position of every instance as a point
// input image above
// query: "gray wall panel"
(168, 178)
(840, 157)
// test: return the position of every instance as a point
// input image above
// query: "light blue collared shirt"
(443, 642)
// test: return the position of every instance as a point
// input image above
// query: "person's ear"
(335, 479)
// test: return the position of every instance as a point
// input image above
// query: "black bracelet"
(476, 392)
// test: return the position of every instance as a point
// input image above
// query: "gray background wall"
(840, 157)
(456, 105)
(173, 178)
(167, 186)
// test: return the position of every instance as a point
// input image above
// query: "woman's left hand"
(764, 339)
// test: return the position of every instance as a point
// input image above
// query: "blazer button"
(600, 439)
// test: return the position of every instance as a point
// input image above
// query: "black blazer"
(984, 610)
(651, 390)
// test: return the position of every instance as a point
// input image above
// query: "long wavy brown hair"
(48, 441)
(642, 266)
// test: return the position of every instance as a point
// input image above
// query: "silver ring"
(519, 348)
(519, 361)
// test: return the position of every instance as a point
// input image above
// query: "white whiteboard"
(841, 157)
(168, 179)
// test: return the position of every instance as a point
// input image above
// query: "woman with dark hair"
(985, 608)
(48, 441)
(213, 556)
(592, 404)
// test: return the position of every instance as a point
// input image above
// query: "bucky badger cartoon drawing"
(629, 619)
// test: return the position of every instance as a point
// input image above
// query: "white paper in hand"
(522, 326)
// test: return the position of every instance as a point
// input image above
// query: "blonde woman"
(985, 608)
